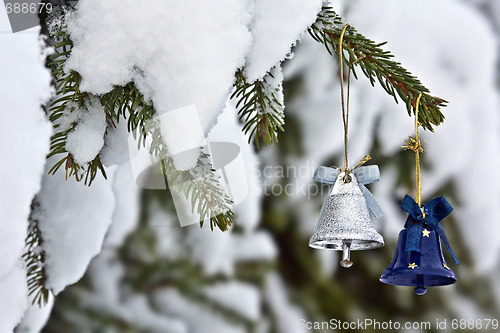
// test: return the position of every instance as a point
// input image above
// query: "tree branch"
(377, 64)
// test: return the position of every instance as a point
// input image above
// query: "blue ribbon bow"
(364, 175)
(435, 210)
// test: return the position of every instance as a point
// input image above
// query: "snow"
(288, 316)
(116, 149)
(180, 53)
(276, 27)
(168, 234)
(209, 249)
(24, 87)
(170, 311)
(14, 300)
(274, 86)
(320, 101)
(183, 135)
(241, 298)
(197, 318)
(215, 252)
(72, 114)
(126, 210)
(86, 140)
(136, 310)
(495, 5)
(35, 317)
(189, 51)
(218, 252)
(228, 129)
(73, 219)
(256, 246)
(25, 145)
(105, 275)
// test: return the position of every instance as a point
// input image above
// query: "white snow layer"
(228, 129)
(73, 219)
(116, 149)
(277, 25)
(105, 275)
(197, 318)
(14, 300)
(24, 87)
(35, 317)
(256, 246)
(86, 140)
(218, 252)
(241, 298)
(167, 233)
(126, 210)
(468, 140)
(136, 310)
(183, 53)
(287, 315)
(178, 52)
(183, 135)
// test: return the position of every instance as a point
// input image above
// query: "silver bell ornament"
(344, 223)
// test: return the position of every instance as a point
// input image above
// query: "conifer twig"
(259, 108)
(377, 64)
(34, 258)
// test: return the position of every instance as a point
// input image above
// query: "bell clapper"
(346, 255)
(420, 289)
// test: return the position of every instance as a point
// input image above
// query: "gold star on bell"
(412, 265)
(446, 266)
(426, 233)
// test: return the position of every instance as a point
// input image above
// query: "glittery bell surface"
(345, 218)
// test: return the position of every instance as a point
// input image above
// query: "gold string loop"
(345, 108)
(416, 145)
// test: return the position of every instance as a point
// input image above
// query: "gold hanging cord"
(345, 109)
(416, 146)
